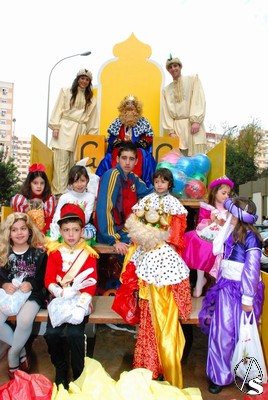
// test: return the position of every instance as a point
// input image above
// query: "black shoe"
(214, 388)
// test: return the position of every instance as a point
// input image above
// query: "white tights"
(18, 338)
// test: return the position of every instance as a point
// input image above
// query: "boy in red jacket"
(71, 277)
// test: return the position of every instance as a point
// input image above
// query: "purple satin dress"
(222, 306)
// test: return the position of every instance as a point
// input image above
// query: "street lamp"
(87, 53)
(13, 136)
(227, 131)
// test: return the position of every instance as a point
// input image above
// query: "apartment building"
(6, 114)
(14, 146)
(21, 152)
(262, 158)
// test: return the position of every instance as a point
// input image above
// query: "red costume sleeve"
(177, 229)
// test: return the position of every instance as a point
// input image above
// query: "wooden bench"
(102, 248)
(103, 313)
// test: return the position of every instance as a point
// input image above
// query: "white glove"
(69, 292)
(56, 290)
(80, 282)
(78, 316)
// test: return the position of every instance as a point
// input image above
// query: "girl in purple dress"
(238, 287)
(197, 252)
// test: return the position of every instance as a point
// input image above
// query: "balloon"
(195, 189)
(202, 162)
(171, 158)
(165, 164)
(186, 165)
(178, 186)
(180, 180)
(200, 177)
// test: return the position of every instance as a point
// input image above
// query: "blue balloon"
(202, 162)
(180, 179)
(178, 186)
(186, 165)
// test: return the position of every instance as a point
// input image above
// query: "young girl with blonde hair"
(22, 267)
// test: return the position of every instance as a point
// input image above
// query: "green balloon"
(165, 164)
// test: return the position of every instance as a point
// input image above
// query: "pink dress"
(197, 252)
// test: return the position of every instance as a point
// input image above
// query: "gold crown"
(157, 218)
(130, 97)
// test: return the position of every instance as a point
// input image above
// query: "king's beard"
(129, 117)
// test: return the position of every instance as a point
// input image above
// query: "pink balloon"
(171, 158)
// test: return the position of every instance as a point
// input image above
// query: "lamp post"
(13, 136)
(87, 53)
(227, 131)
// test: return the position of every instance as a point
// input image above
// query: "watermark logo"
(248, 376)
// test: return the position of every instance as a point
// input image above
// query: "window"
(4, 100)
(2, 122)
(3, 113)
(4, 91)
(2, 133)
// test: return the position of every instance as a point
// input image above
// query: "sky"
(224, 41)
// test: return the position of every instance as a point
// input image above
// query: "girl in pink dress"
(197, 252)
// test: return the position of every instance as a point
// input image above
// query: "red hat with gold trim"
(72, 211)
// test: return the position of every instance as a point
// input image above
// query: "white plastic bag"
(10, 304)
(248, 361)
(61, 309)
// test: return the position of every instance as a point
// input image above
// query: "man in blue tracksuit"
(119, 190)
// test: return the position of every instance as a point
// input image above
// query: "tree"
(9, 181)
(241, 152)
(249, 139)
(240, 167)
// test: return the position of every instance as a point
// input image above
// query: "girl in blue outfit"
(238, 287)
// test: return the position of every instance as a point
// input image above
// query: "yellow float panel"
(130, 72)
(92, 146)
(40, 153)
(5, 211)
(163, 145)
(217, 156)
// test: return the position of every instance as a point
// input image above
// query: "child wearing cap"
(238, 287)
(197, 252)
(75, 113)
(71, 277)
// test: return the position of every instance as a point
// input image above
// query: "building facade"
(16, 147)
(6, 115)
